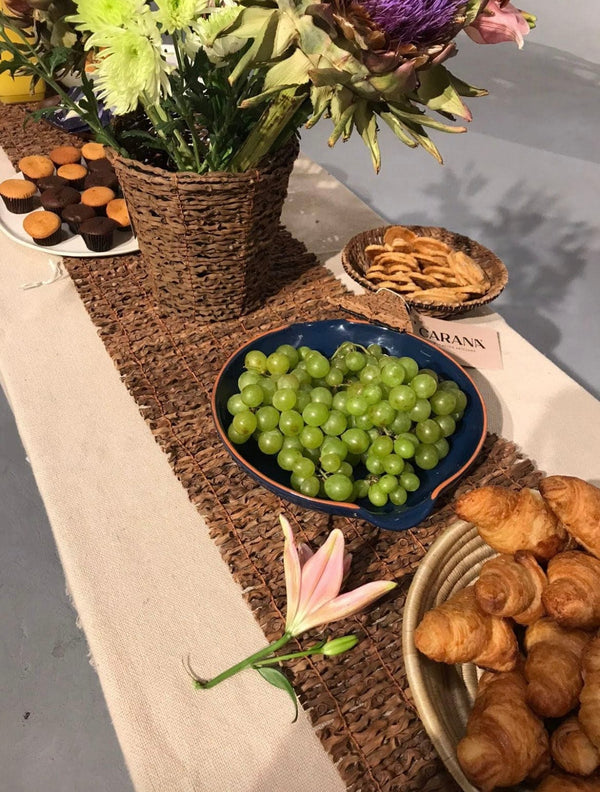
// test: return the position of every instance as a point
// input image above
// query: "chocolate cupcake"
(97, 198)
(93, 152)
(75, 214)
(36, 167)
(51, 183)
(65, 155)
(17, 195)
(74, 174)
(117, 211)
(98, 233)
(100, 165)
(43, 227)
(102, 178)
(57, 198)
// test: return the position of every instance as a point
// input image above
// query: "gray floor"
(524, 181)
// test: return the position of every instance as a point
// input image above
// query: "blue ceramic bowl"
(326, 336)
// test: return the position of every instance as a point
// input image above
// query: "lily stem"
(316, 649)
(243, 664)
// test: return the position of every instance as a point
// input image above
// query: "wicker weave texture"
(206, 239)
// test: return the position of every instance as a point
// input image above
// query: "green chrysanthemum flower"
(206, 33)
(101, 16)
(131, 69)
(175, 15)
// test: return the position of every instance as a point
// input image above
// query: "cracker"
(398, 232)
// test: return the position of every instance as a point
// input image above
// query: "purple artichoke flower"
(421, 22)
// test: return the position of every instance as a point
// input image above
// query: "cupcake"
(75, 214)
(65, 155)
(100, 165)
(97, 198)
(74, 174)
(102, 178)
(36, 167)
(92, 152)
(98, 233)
(117, 211)
(17, 195)
(51, 182)
(57, 198)
(43, 228)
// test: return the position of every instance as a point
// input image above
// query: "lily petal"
(322, 575)
(498, 23)
(304, 553)
(292, 570)
(345, 605)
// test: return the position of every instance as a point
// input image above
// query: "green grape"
(253, 395)
(270, 442)
(291, 353)
(347, 469)
(446, 385)
(330, 462)
(288, 381)
(393, 374)
(244, 423)
(303, 398)
(442, 447)
(321, 395)
(278, 363)
(404, 448)
(296, 481)
(310, 487)
(408, 468)
(304, 467)
(363, 422)
(315, 414)
(377, 496)
(355, 360)
(339, 401)
(382, 446)
(269, 387)
(317, 365)
(285, 399)
(401, 423)
(461, 401)
(357, 440)
(421, 411)
(410, 367)
(248, 378)
(375, 350)
(335, 424)
(333, 445)
(355, 388)
(290, 423)
(256, 360)
(446, 423)
(424, 385)
(287, 457)
(431, 373)
(304, 352)
(312, 453)
(382, 413)
(372, 394)
(302, 375)
(237, 437)
(457, 416)
(374, 465)
(335, 377)
(356, 405)
(387, 482)
(443, 402)
(311, 437)
(402, 397)
(426, 457)
(428, 431)
(339, 487)
(292, 442)
(393, 464)
(235, 404)
(398, 496)
(361, 489)
(409, 481)
(267, 418)
(370, 375)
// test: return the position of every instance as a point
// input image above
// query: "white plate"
(72, 244)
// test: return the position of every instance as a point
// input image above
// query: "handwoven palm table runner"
(359, 703)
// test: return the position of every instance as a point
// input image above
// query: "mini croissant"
(458, 631)
(572, 749)
(509, 521)
(559, 782)
(589, 711)
(577, 505)
(572, 596)
(512, 587)
(553, 667)
(505, 741)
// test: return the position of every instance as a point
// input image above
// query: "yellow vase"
(17, 89)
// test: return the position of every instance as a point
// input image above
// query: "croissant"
(512, 586)
(505, 741)
(559, 782)
(577, 505)
(589, 711)
(509, 521)
(553, 667)
(458, 631)
(572, 749)
(572, 596)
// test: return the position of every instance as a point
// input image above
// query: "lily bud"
(339, 645)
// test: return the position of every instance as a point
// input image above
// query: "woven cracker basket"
(206, 239)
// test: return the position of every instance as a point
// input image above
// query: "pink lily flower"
(313, 583)
(498, 22)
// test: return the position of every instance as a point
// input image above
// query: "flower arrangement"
(313, 582)
(240, 77)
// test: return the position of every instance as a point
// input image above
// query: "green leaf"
(288, 72)
(472, 9)
(464, 89)
(366, 124)
(415, 116)
(398, 129)
(279, 680)
(437, 92)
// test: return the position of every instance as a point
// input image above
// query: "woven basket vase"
(206, 239)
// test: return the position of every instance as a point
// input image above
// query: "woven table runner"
(360, 704)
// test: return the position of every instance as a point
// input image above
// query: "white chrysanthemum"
(131, 69)
(205, 34)
(174, 15)
(102, 16)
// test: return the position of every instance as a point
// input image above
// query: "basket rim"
(435, 309)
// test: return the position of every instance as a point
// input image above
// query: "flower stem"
(243, 664)
(315, 649)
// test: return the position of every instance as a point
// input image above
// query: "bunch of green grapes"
(357, 425)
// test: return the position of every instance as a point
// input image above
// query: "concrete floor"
(524, 181)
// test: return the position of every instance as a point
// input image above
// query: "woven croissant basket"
(206, 239)
(444, 694)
